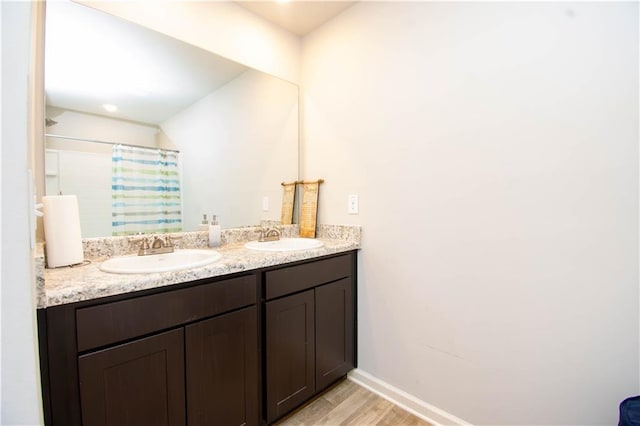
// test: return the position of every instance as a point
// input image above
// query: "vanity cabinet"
(290, 352)
(223, 385)
(234, 350)
(177, 357)
(309, 330)
(135, 383)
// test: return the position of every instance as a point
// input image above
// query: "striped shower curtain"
(145, 190)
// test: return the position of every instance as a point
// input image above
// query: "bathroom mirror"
(236, 128)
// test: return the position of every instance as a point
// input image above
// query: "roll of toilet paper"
(63, 240)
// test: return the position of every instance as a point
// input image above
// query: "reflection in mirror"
(235, 128)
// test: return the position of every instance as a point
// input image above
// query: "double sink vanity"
(238, 334)
(243, 338)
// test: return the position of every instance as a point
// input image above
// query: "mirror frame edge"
(37, 107)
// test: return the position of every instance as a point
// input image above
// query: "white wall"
(87, 175)
(19, 374)
(238, 144)
(220, 27)
(494, 147)
(94, 127)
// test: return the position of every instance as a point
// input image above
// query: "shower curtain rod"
(50, 135)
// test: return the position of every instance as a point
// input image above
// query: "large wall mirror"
(232, 130)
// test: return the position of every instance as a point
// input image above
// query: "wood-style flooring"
(349, 404)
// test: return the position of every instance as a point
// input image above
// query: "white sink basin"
(285, 244)
(178, 260)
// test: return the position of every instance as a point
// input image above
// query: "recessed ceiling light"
(110, 107)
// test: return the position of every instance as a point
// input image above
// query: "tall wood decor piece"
(309, 210)
(288, 198)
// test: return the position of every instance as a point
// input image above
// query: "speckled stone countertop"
(67, 285)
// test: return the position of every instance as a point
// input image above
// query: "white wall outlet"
(352, 204)
(265, 204)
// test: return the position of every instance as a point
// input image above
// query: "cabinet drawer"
(113, 322)
(301, 277)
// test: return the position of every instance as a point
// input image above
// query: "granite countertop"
(74, 284)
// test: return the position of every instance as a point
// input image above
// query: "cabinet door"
(290, 351)
(141, 382)
(334, 332)
(222, 370)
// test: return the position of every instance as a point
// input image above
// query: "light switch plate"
(265, 203)
(352, 204)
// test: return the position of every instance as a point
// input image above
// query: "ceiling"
(298, 17)
(93, 58)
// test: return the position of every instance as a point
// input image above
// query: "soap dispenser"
(214, 232)
(204, 225)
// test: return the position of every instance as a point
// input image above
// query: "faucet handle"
(261, 232)
(144, 245)
(169, 240)
(144, 242)
(157, 242)
(273, 231)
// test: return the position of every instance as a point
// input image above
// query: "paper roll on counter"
(62, 230)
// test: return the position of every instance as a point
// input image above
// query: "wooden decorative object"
(288, 198)
(309, 211)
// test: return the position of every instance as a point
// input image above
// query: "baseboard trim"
(415, 406)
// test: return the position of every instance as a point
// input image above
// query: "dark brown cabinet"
(309, 335)
(334, 332)
(290, 340)
(239, 350)
(136, 383)
(222, 370)
(143, 382)
(187, 356)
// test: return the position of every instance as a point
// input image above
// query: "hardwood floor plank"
(340, 392)
(309, 414)
(412, 420)
(341, 412)
(371, 412)
(348, 404)
(395, 416)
